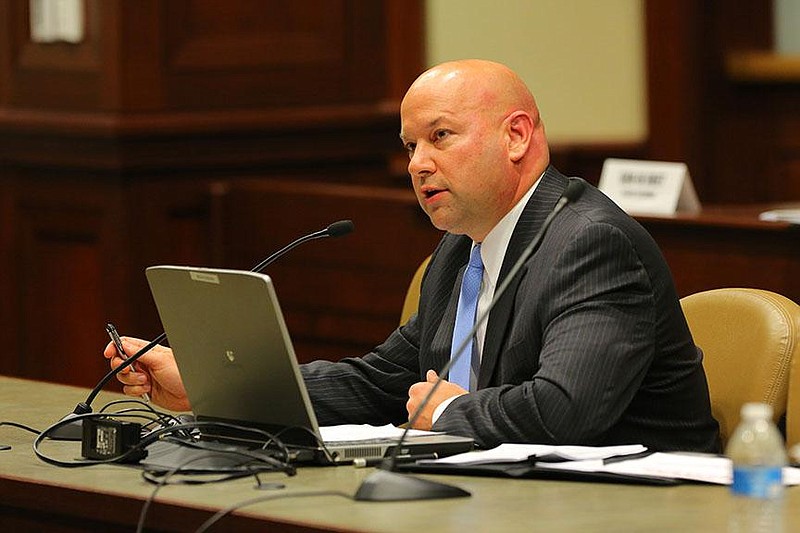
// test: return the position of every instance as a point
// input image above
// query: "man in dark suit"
(588, 345)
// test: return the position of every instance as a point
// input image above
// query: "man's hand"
(158, 374)
(417, 393)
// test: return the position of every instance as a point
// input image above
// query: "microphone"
(74, 431)
(387, 485)
(337, 229)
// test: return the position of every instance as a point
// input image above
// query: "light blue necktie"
(464, 370)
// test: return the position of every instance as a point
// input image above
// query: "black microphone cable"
(260, 499)
(70, 432)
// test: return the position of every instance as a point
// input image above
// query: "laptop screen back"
(232, 347)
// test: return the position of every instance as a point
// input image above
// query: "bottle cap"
(754, 410)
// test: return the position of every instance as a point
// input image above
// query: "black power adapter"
(107, 439)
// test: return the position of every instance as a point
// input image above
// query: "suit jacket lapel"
(529, 223)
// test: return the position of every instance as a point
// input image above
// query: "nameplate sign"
(649, 187)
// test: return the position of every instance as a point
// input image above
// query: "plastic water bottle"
(758, 455)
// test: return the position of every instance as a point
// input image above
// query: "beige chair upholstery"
(750, 339)
(412, 295)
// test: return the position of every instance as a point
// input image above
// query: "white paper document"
(781, 215)
(690, 467)
(627, 460)
(364, 432)
(511, 453)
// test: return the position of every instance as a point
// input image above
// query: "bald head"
(477, 82)
(476, 143)
(481, 87)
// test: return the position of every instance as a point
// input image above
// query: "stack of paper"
(512, 453)
(632, 461)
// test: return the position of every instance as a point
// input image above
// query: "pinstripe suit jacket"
(587, 346)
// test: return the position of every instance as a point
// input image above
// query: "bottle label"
(757, 481)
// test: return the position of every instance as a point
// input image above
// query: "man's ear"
(519, 128)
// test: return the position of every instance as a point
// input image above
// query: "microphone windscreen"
(573, 190)
(342, 227)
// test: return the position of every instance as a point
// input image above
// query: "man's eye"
(440, 134)
(410, 147)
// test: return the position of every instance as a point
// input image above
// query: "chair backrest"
(750, 339)
(412, 295)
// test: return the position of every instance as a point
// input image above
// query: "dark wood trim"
(6, 28)
(100, 124)
(723, 129)
(762, 67)
(68, 510)
(674, 32)
(586, 159)
(728, 246)
(405, 38)
(728, 216)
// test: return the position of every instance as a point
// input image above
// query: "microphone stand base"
(385, 486)
(70, 430)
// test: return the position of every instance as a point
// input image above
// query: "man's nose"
(420, 164)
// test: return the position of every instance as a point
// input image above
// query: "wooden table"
(35, 496)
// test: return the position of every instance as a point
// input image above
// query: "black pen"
(112, 332)
(629, 457)
(408, 458)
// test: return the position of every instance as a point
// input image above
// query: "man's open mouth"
(430, 193)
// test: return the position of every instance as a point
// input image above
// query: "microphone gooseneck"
(74, 432)
(337, 229)
(388, 485)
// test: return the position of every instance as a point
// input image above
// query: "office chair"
(750, 339)
(412, 295)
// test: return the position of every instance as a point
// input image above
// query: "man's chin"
(443, 222)
(443, 225)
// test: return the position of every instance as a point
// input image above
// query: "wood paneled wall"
(140, 146)
(739, 134)
(213, 133)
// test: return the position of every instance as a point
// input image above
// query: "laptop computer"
(238, 365)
